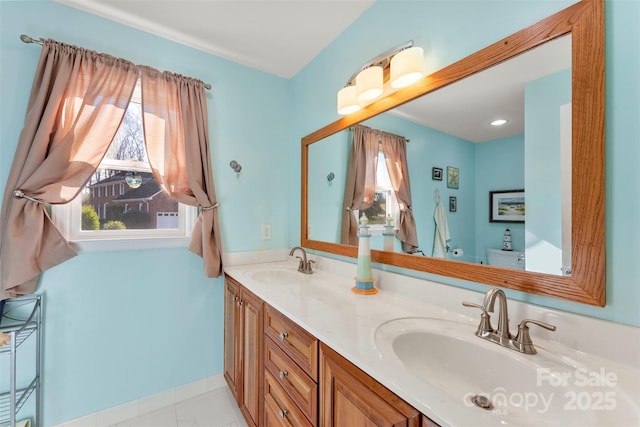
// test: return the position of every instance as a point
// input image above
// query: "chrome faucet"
(522, 341)
(304, 266)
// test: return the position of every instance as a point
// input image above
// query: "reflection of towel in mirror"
(441, 238)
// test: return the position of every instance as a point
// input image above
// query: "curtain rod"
(26, 39)
(380, 131)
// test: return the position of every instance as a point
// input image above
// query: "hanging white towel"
(441, 238)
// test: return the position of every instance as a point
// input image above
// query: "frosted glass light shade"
(407, 67)
(347, 101)
(369, 84)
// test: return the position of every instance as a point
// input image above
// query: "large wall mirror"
(546, 163)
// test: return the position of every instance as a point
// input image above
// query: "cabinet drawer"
(279, 409)
(302, 390)
(297, 343)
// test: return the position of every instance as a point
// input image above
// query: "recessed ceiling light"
(498, 122)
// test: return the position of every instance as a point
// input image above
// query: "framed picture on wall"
(506, 206)
(453, 177)
(453, 204)
(436, 174)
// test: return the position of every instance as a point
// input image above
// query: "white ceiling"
(276, 36)
(282, 36)
(466, 108)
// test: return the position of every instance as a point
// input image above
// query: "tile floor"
(216, 408)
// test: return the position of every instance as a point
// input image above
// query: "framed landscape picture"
(506, 206)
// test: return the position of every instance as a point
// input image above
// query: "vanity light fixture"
(401, 66)
(498, 122)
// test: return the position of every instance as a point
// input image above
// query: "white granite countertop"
(323, 304)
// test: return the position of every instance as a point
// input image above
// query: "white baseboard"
(144, 405)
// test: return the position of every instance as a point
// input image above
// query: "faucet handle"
(523, 324)
(474, 305)
(307, 267)
(300, 264)
(523, 339)
(485, 320)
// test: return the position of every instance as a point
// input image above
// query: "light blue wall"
(123, 325)
(326, 198)
(447, 35)
(543, 98)
(111, 338)
(499, 166)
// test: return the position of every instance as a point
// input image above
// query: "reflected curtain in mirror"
(394, 148)
(361, 181)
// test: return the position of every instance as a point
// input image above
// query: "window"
(384, 200)
(129, 215)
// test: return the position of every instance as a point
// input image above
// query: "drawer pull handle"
(282, 413)
(283, 374)
(283, 335)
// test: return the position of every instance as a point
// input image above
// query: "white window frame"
(68, 218)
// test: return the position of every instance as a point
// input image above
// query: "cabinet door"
(252, 364)
(349, 397)
(232, 336)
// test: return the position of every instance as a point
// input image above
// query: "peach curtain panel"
(395, 153)
(77, 96)
(174, 113)
(78, 100)
(361, 181)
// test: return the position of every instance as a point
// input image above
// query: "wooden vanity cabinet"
(243, 347)
(282, 376)
(350, 397)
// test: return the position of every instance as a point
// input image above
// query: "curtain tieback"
(208, 208)
(21, 195)
(348, 209)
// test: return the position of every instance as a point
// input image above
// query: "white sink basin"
(274, 277)
(541, 389)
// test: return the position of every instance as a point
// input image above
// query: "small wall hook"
(330, 177)
(235, 166)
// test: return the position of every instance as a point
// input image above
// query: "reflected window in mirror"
(384, 202)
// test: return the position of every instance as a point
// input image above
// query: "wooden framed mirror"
(585, 282)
